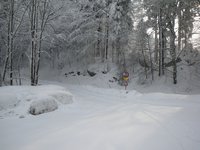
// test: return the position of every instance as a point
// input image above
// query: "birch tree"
(41, 13)
(14, 19)
(10, 38)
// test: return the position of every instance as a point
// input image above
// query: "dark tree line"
(152, 34)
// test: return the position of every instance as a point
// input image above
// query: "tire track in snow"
(186, 127)
(166, 129)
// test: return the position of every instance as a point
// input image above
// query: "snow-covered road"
(109, 119)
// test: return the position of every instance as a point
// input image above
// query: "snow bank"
(36, 100)
(63, 97)
(43, 105)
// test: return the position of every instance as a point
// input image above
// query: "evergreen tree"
(122, 29)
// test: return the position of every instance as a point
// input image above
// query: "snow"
(105, 119)
(20, 100)
(42, 106)
(64, 97)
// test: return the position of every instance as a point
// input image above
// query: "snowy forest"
(99, 74)
(148, 38)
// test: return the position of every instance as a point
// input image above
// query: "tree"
(41, 13)
(10, 35)
(161, 17)
(14, 18)
(122, 29)
(171, 24)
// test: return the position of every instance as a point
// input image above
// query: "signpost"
(125, 77)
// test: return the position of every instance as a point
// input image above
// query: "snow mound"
(64, 97)
(18, 100)
(43, 105)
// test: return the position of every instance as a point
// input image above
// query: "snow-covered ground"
(103, 119)
(20, 100)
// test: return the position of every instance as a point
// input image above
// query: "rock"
(72, 72)
(115, 79)
(22, 116)
(91, 73)
(111, 81)
(104, 72)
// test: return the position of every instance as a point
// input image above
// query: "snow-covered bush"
(42, 106)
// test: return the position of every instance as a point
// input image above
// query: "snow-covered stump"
(43, 106)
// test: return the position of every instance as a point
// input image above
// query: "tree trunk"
(43, 24)
(186, 39)
(145, 62)
(0, 80)
(163, 51)
(160, 42)
(19, 72)
(11, 40)
(33, 43)
(9, 57)
(107, 37)
(118, 49)
(173, 47)
(113, 51)
(0, 66)
(156, 42)
(5, 65)
(186, 31)
(151, 61)
(38, 43)
(98, 41)
(179, 27)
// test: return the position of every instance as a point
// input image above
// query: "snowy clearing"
(107, 119)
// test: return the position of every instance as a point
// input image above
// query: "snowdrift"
(43, 105)
(18, 100)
